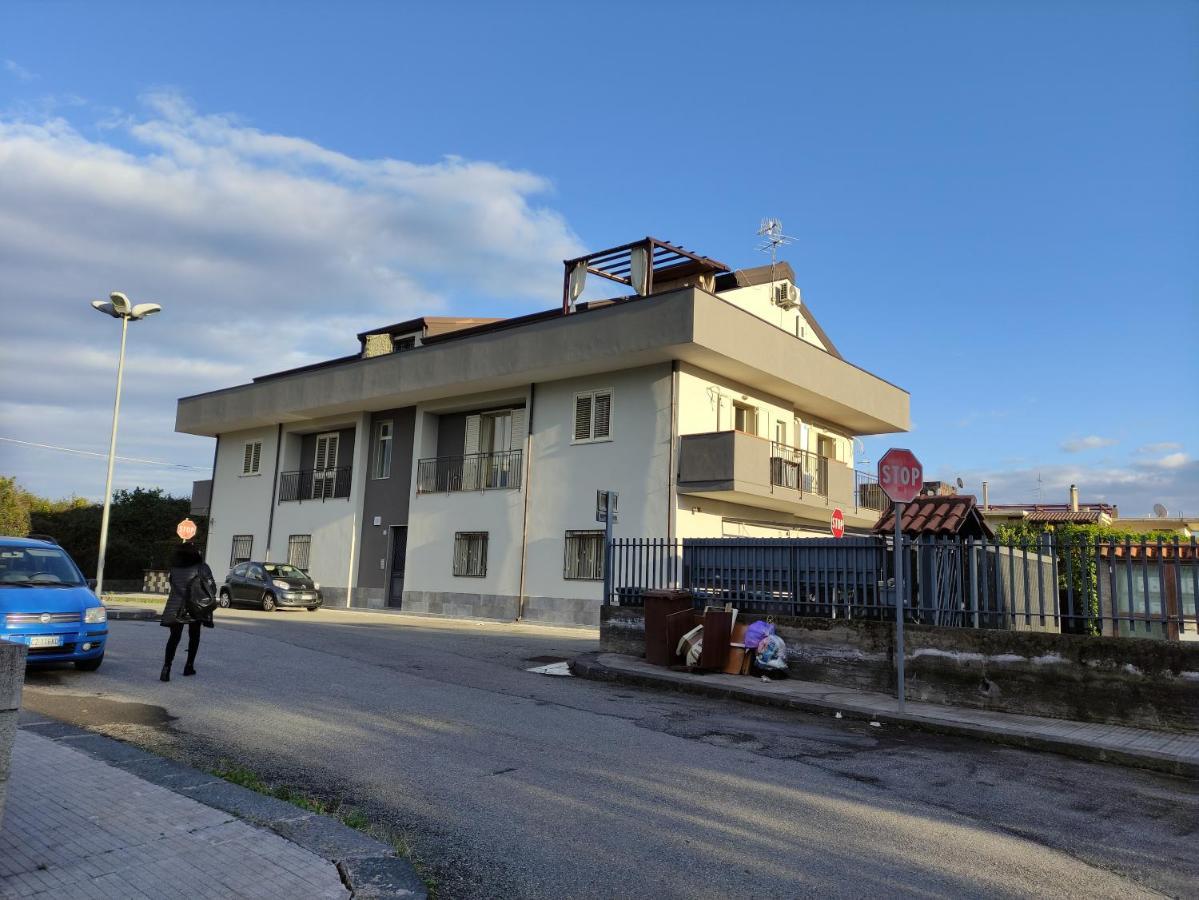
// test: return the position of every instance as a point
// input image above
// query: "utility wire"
(133, 459)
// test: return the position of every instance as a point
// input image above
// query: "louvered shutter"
(322, 445)
(472, 435)
(583, 417)
(247, 459)
(603, 415)
(257, 460)
(519, 430)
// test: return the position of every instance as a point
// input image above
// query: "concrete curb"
(589, 666)
(369, 868)
(127, 614)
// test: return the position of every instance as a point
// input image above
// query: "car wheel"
(313, 608)
(89, 665)
(223, 600)
(268, 602)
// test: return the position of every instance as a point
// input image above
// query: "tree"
(14, 509)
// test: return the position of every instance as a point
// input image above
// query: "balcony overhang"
(689, 325)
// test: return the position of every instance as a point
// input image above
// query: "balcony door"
(493, 444)
(324, 466)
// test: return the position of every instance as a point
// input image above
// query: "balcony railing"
(867, 493)
(314, 484)
(472, 472)
(798, 469)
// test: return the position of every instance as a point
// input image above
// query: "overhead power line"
(132, 459)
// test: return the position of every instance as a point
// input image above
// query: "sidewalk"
(1170, 752)
(88, 816)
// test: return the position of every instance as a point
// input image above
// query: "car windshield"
(28, 566)
(282, 570)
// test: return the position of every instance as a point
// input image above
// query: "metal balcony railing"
(472, 472)
(867, 493)
(314, 484)
(798, 469)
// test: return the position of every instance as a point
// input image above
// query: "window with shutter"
(583, 417)
(519, 429)
(593, 416)
(584, 556)
(603, 415)
(470, 554)
(324, 465)
(252, 458)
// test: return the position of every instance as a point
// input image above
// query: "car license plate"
(45, 640)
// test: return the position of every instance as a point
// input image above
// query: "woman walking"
(186, 566)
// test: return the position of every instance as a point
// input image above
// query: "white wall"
(241, 504)
(635, 462)
(700, 517)
(757, 300)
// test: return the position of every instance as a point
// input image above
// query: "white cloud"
(1172, 461)
(18, 71)
(1090, 442)
(266, 251)
(1160, 447)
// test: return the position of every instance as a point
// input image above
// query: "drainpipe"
(671, 500)
(524, 528)
(270, 522)
(1073, 498)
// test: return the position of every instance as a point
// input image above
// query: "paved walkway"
(1163, 751)
(75, 826)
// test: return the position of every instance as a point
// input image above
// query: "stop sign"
(838, 523)
(900, 475)
(186, 529)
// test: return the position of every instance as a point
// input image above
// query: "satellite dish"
(961, 484)
(1160, 511)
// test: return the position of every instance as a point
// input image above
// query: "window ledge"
(250, 475)
(603, 440)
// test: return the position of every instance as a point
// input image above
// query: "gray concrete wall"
(1149, 684)
(386, 498)
(12, 677)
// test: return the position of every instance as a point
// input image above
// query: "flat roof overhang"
(689, 324)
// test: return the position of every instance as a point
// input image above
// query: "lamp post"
(118, 306)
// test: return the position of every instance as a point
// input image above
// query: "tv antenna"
(772, 231)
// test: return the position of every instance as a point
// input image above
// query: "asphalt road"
(512, 784)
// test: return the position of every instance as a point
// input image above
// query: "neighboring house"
(1072, 513)
(451, 467)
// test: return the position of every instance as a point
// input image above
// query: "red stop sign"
(838, 523)
(900, 475)
(186, 529)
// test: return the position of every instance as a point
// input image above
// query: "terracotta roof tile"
(942, 516)
(1080, 517)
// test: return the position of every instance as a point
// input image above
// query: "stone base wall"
(368, 598)
(503, 608)
(1120, 681)
(12, 677)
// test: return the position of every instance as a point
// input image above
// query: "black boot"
(166, 673)
(189, 669)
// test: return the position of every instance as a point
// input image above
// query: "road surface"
(507, 783)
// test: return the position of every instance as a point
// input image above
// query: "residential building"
(451, 466)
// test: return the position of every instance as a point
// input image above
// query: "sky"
(995, 205)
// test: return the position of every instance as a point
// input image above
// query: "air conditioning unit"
(786, 295)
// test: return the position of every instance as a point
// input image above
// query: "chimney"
(986, 497)
(1073, 498)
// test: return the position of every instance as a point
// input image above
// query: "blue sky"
(996, 205)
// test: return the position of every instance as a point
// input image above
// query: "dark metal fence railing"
(798, 469)
(867, 493)
(314, 484)
(1075, 585)
(472, 472)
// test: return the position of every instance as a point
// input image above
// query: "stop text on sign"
(901, 475)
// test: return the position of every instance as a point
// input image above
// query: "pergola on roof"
(668, 262)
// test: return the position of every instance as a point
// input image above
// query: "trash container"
(659, 650)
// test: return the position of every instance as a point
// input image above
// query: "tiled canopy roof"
(1058, 516)
(941, 516)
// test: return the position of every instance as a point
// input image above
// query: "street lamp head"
(144, 309)
(120, 303)
(105, 307)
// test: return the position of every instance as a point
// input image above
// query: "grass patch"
(350, 816)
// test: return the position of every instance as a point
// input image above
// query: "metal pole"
(607, 548)
(112, 451)
(899, 559)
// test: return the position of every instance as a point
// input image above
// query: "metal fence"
(472, 472)
(797, 469)
(1078, 586)
(314, 484)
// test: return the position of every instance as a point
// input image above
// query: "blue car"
(46, 604)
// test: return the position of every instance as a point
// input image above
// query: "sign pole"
(899, 560)
(608, 496)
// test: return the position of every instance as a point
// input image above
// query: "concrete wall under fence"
(1120, 681)
(12, 677)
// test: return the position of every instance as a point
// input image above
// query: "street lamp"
(118, 306)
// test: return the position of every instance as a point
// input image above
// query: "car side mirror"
(91, 583)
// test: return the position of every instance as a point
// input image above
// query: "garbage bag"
(772, 653)
(756, 633)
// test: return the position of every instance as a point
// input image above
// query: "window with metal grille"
(470, 554)
(584, 557)
(251, 458)
(400, 344)
(243, 545)
(381, 462)
(298, 546)
(593, 416)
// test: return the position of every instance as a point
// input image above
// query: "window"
(780, 432)
(251, 458)
(298, 546)
(243, 544)
(240, 570)
(324, 466)
(470, 554)
(400, 344)
(584, 558)
(593, 416)
(381, 457)
(745, 418)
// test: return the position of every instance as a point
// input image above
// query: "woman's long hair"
(186, 555)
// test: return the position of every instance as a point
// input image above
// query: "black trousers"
(193, 642)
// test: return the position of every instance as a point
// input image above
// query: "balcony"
(752, 471)
(473, 472)
(314, 484)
